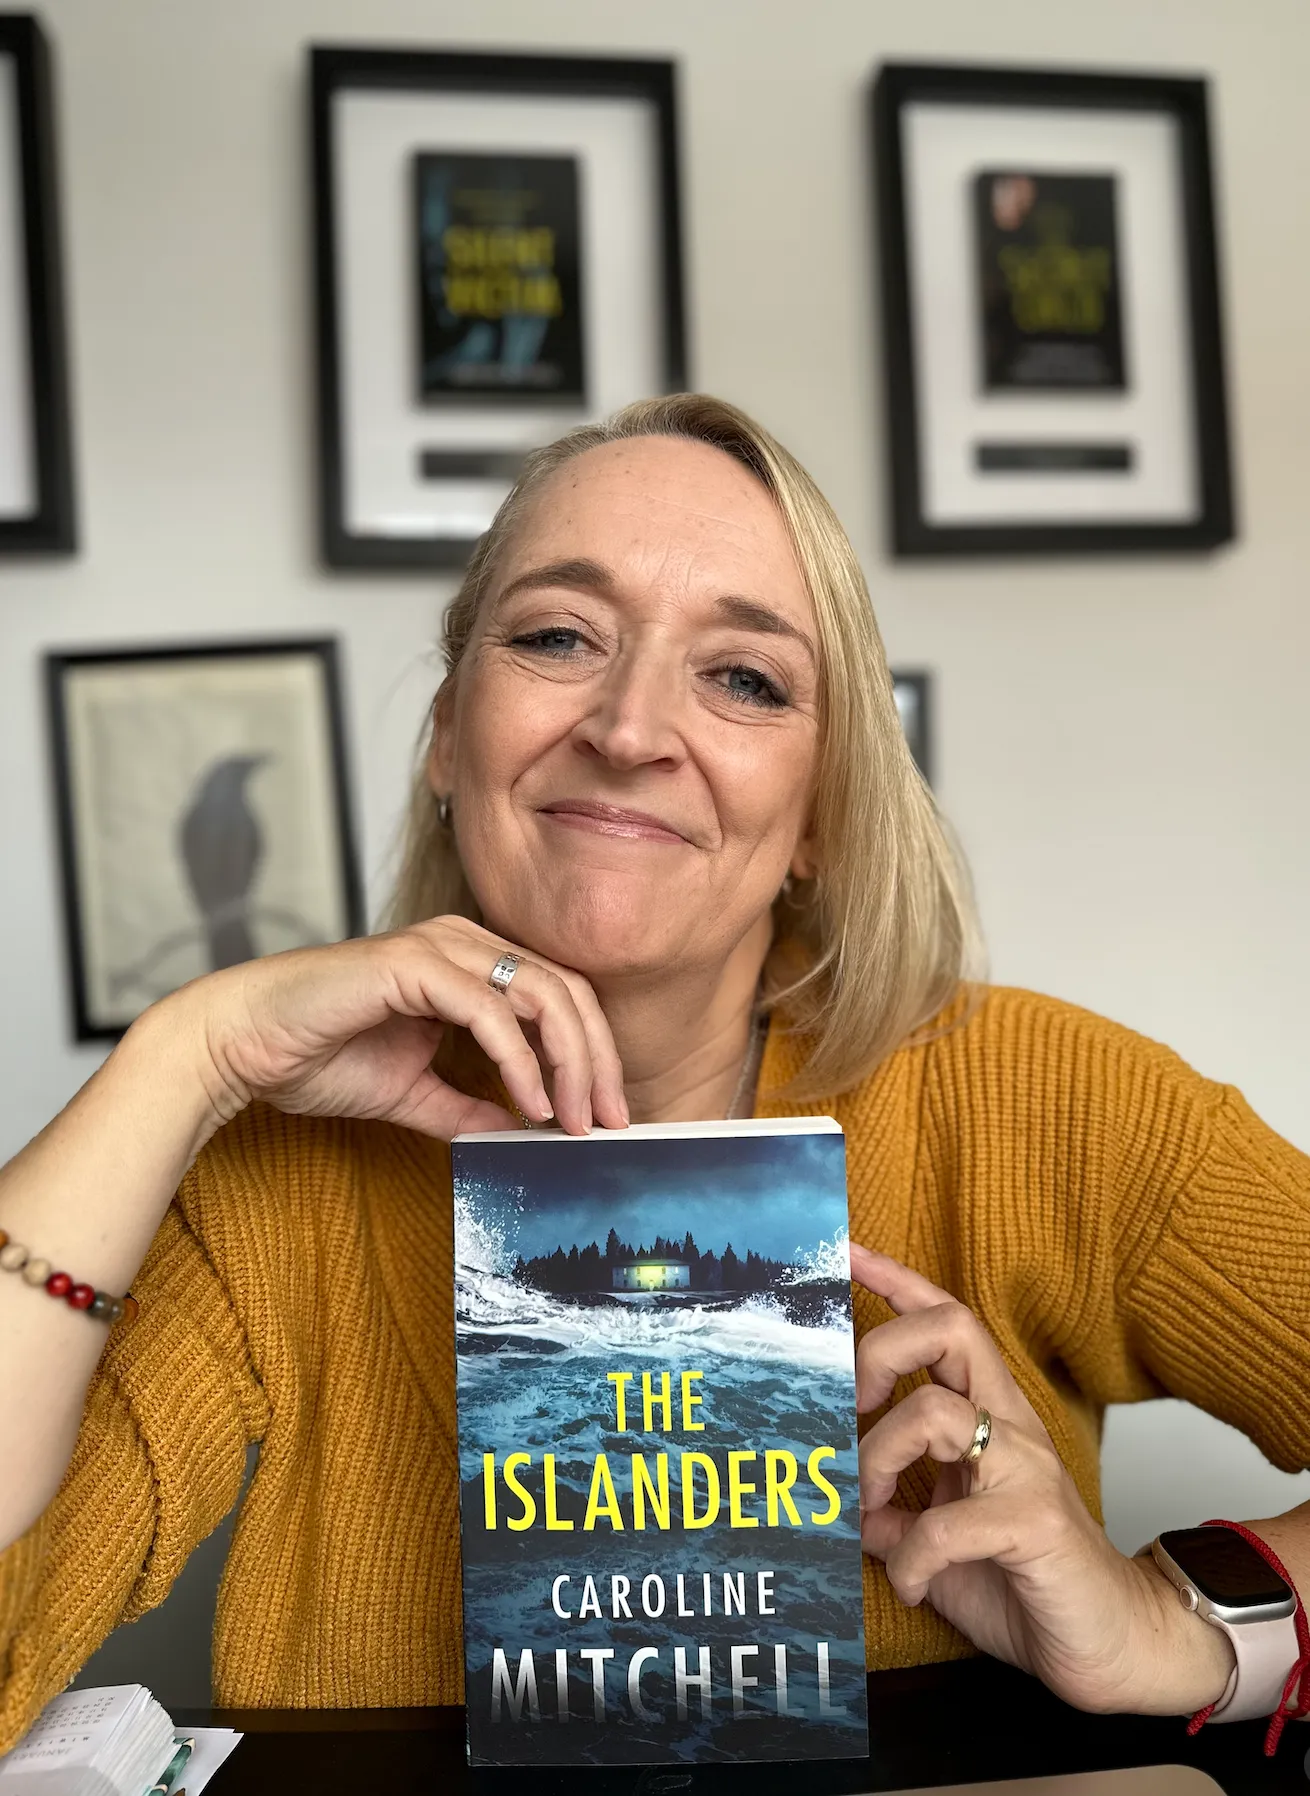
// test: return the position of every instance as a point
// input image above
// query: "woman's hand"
(1007, 1551)
(350, 1030)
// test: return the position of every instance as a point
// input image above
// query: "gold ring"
(982, 1433)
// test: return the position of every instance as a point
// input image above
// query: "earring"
(444, 811)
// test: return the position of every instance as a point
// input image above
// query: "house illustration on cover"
(651, 1275)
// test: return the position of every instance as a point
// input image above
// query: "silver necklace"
(750, 1068)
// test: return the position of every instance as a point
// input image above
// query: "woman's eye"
(751, 687)
(556, 642)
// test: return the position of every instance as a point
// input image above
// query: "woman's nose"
(632, 717)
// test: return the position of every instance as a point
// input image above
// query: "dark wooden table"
(935, 1724)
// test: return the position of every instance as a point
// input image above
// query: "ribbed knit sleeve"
(1220, 1308)
(158, 1463)
(1124, 1227)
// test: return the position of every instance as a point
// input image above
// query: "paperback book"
(659, 1482)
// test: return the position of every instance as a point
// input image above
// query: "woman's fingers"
(933, 1332)
(903, 1288)
(931, 1421)
(575, 1043)
(608, 1100)
(951, 1534)
(881, 1529)
(538, 996)
(434, 1108)
(590, 1060)
(1010, 1529)
(432, 984)
(1018, 1475)
(950, 1344)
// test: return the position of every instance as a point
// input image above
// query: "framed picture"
(36, 480)
(913, 693)
(1051, 318)
(497, 249)
(203, 814)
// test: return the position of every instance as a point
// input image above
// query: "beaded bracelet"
(99, 1304)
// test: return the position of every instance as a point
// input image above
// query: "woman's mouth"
(611, 820)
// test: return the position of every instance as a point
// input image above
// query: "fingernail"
(544, 1111)
(627, 1114)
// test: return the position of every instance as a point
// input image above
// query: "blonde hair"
(869, 951)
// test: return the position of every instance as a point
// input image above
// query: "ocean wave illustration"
(760, 1327)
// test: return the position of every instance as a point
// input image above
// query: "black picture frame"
(49, 528)
(90, 1021)
(336, 69)
(911, 533)
(913, 691)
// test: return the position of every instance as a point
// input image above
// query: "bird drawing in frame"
(222, 845)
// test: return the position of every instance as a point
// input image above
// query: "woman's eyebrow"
(594, 576)
(750, 614)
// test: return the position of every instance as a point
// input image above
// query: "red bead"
(81, 1297)
(59, 1284)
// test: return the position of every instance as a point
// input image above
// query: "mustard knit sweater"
(1122, 1227)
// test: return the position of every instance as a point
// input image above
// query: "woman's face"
(630, 744)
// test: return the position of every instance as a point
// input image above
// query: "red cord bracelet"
(101, 1306)
(1298, 1679)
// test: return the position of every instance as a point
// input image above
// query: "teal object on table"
(172, 1770)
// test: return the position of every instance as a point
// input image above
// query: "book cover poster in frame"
(36, 479)
(203, 814)
(1051, 316)
(497, 259)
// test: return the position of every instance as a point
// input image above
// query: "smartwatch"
(1221, 1578)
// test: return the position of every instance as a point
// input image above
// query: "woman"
(665, 774)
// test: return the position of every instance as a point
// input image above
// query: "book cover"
(499, 276)
(659, 1481)
(1049, 282)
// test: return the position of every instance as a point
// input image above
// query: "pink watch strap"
(1266, 1651)
(1294, 1697)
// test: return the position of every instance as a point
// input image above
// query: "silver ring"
(503, 971)
(982, 1433)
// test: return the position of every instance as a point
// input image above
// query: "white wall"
(1123, 745)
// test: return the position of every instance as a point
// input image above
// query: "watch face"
(1224, 1568)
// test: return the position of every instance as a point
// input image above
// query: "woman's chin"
(608, 957)
(611, 944)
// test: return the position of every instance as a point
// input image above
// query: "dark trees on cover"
(590, 1268)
